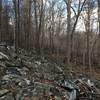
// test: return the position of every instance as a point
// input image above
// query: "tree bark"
(99, 31)
(68, 32)
(0, 20)
(37, 43)
(99, 15)
(17, 23)
(88, 35)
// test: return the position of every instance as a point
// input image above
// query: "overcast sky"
(80, 24)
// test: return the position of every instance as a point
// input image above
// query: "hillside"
(28, 76)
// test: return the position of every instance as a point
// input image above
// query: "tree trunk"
(69, 32)
(0, 20)
(18, 36)
(99, 14)
(17, 23)
(37, 37)
(6, 24)
(99, 31)
(29, 21)
(16, 20)
(88, 37)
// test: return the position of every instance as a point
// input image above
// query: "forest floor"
(78, 69)
(93, 74)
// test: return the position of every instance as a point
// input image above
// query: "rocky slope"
(27, 76)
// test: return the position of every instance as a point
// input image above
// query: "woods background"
(53, 27)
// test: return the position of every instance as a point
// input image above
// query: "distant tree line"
(50, 27)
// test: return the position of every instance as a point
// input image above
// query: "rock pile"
(26, 76)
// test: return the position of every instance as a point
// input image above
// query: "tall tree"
(52, 25)
(99, 14)
(88, 33)
(16, 4)
(6, 21)
(68, 45)
(71, 28)
(27, 22)
(38, 8)
(99, 30)
(77, 13)
(0, 18)
(69, 31)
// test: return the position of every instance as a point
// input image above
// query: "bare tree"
(72, 29)
(27, 22)
(38, 7)
(52, 25)
(99, 14)
(42, 24)
(77, 13)
(0, 19)
(17, 22)
(99, 30)
(88, 34)
(6, 21)
(68, 47)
